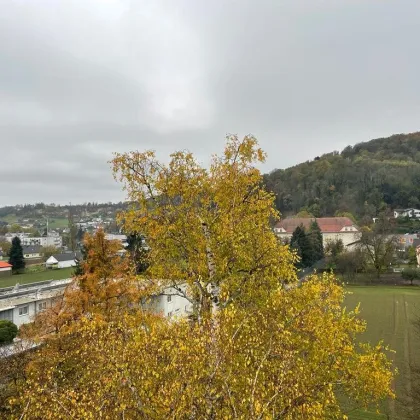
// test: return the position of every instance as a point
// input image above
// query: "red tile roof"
(326, 224)
(4, 264)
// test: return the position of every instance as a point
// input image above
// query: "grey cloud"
(83, 78)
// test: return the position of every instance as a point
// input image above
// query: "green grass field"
(10, 218)
(390, 312)
(26, 278)
(55, 223)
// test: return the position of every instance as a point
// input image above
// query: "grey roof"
(31, 249)
(68, 256)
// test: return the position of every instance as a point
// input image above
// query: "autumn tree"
(49, 250)
(5, 247)
(106, 285)
(378, 245)
(290, 359)
(258, 350)
(207, 228)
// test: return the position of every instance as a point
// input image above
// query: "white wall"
(56, 241)
(32, 255)
(24, 319)
(169, 304)
(65, 264)
(33, 309)
(346, 237)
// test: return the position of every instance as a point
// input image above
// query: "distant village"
(51, 251)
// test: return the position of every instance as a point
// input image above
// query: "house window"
(170, 313)
(168, 298)
(42, 306)
(24, 310)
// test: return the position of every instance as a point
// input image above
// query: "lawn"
(389, 312)
(63, 273)
(58, 222)
(10, 218)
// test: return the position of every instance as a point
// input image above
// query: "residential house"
(169, 303)
(332, 228)
(20, 304)
(32, 251)
(21, 235)
(406, 240)
(410, 212)
(51, 240)
(67, 259)
(117, 237)
(5, 269)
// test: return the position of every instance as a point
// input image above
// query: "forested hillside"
(364, 179)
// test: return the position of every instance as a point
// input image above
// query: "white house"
(117, 237)
(21, 235)
(32, 251)
(67, 259)
(170, 303)
(332, 228)
(411, 213)
(51, 240)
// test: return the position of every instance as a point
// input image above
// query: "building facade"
(50, 240)
(56, 241)
(332, 228)
(411, 213)
(20, 304)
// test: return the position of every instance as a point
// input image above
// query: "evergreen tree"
(72, 232)
(300, 242)
(315, 238)
(80, 234)
(79, 269)
(16, 255)
(138, 252)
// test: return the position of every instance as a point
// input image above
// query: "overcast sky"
(80, 79)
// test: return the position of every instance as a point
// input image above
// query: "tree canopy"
(255, 349)
(208, 228)
(364, 179)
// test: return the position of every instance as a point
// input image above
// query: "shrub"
(410, 274)
(8, 331)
